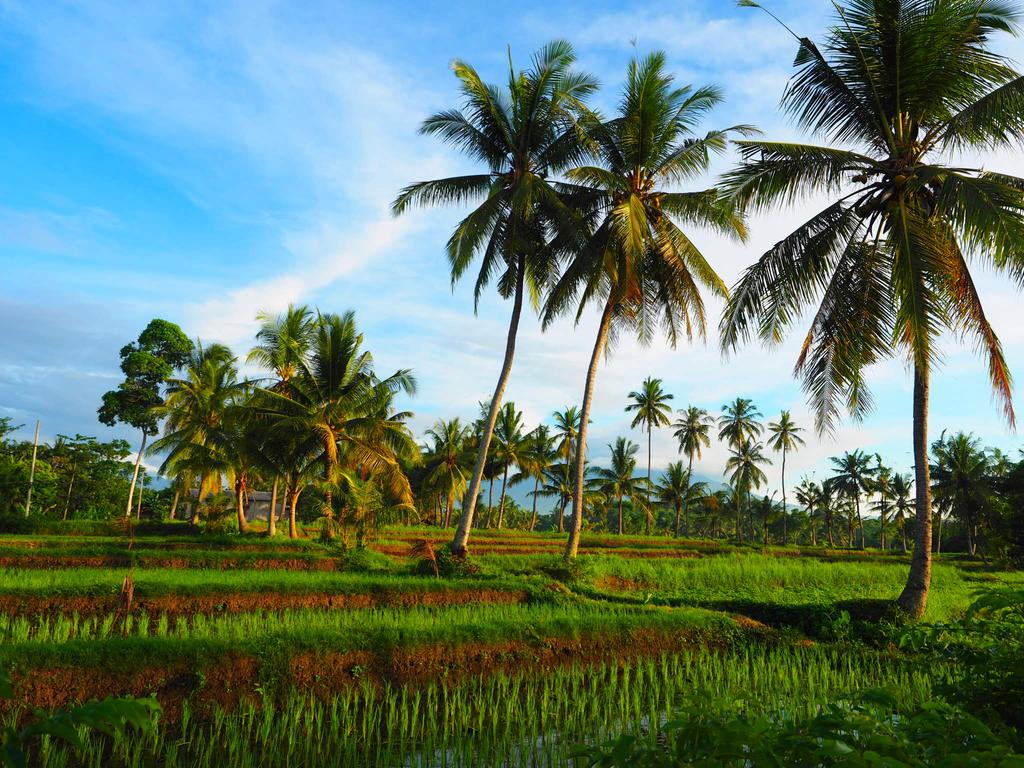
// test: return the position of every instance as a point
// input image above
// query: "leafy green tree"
(447, 462)
(617, 482)
(962, 481)
(677, 489)
(537, 456)
(906, 85)
(147, 364)
(525, 135)
(651, 409)
(901, 490)
(853, 479)
(639, 266)
(567, 432)
(197, 437)
(808, 495)
(509, 448)
(693, 431)
(784, 437)
(881, 483)
(338, 411)
(743, 468)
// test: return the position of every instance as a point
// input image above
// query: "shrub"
(866, 731)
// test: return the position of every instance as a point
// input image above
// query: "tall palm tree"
(283, 343)
(341, 411)
(677, 489)
(509, 447)
(447, 462)
(961, 477)
(693, 431)
(904, 84)
(537, 455)
(639, 266)
(808, 495)
(784, 437)
(651, 409)
(525, 135)
(617, 481)
(829, 504)
(745, 474)
(853, 479)
(901, 490)
(197, 435)
(738, 425)
(881, 483)
(567, 432)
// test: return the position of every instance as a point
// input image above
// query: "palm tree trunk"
(881, 525)
(449, 510)
(620, 515)
(675, 528)
(647, 516)
(860, 522)
(501, 502)
(174, 504)
(293, 503)
(785, 515)
(814, 535)
(461, 540)
(272, 514)
(739, 512)
(573, 544)
(686, 499)
(831, 537)
(533, 519)
(490, 504)
(938, 531)
(243, 524)
(914, 598)
(561, 515)
(135, 475)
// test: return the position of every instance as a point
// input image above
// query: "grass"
(505, 719)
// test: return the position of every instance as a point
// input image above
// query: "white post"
(32, 471)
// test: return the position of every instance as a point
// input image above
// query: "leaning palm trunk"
(272, 514)
(533, 517)
(501, 501)
(135, 475)
(240, 494)
(914, 598)
(174, 504)
(686, 499)
(575, 525)
(461, 540)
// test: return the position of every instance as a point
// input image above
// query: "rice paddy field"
(282, 652)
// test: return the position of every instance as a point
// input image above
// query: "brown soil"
(615, 584)
(175, 606)
(120, 561)
(234, 679)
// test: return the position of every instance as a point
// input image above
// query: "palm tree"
(693, 433)
(676, 488)
(739, 425)
(197, 436)
(652, 410)
(745, 474)
(901, 485)
(525, 135)
(829, 505)
(339, 410)
(785, 437)
(509, 446)
(283, 343)
(536, 457)
(905, 84)
(961, 481)
(447, 461)
(853, 478)
(567, 431)
(882, 485)
(639, 265)
(618, 481)
(808, 495)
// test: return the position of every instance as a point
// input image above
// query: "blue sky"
(203, 161)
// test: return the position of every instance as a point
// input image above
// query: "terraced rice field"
(265, 653)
